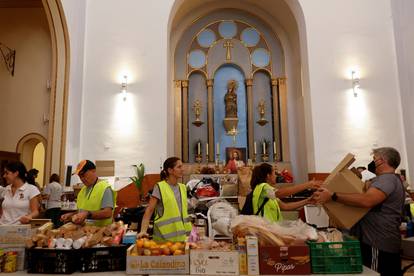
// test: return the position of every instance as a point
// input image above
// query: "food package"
(273, 234)
(45, 227)
(69, 227)
(71, 235)
(222, 226)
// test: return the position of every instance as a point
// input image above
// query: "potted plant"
(139, 176)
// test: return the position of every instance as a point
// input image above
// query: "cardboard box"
(342, 180)
(179, 264)
(241, 248)
(21, 256)
(14, 235)
(210, 262)
(285, 260)
(252, 248)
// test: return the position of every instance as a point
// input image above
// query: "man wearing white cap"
(96, 200)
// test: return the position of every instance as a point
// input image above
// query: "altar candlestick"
(274, 147)
(218, 148)
(198, 148)
(264, 147)
(254, 148)
(206, 148)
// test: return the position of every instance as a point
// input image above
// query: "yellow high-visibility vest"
(92, 201)
(271, 210)
(172, 225)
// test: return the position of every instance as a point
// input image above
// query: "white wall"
(75, 19)
(340, 35)
(24, 97)
(125, 37)
(131, 37)
(404, 40)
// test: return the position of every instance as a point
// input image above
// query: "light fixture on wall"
(124, 86)
(355, 84)
(9, 56)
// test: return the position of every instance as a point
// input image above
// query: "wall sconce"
(124, 87)
(355, 84)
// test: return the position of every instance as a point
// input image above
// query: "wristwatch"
(334, 196)
(89, 216)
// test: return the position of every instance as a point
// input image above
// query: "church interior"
(221, 84)
(137, 82)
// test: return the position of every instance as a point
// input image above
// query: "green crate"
(336, 257)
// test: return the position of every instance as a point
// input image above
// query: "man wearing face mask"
(378, 231)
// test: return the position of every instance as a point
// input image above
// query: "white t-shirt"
(14, 207)
(54, 190)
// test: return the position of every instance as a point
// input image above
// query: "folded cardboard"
(342, 180)
(179, 264)
(14, 235)
(285, 260)
(210, 262)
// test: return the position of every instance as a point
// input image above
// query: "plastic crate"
(336, 257)
(51, 261)
(99, 259)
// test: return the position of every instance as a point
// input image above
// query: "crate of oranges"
(150, 257)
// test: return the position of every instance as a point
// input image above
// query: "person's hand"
(142, 234)
(311, 200)
(315, 184)
(80, 217)
(25, 219)
(322, 195)
(65, 217)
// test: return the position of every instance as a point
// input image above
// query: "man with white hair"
(378, 231)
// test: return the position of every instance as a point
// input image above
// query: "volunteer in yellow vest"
(96, 200)
(169, 201)
(262, 184)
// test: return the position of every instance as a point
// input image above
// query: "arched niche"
(222, 76)
(286, 20)
(234, 41)
(26, 148)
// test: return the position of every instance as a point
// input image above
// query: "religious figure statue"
(197, 112)
(230, 99)
(262, 109)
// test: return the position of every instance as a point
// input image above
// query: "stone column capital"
(210, 82)
(184, 83)
(249, 82)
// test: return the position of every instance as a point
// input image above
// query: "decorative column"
(177, 118)
(284, 119)
(276, 121)
(250, 117)
(184, 85)
(210, 120)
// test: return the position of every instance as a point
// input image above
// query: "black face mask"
(371, 166)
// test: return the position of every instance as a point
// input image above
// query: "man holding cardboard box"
(378, 230)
